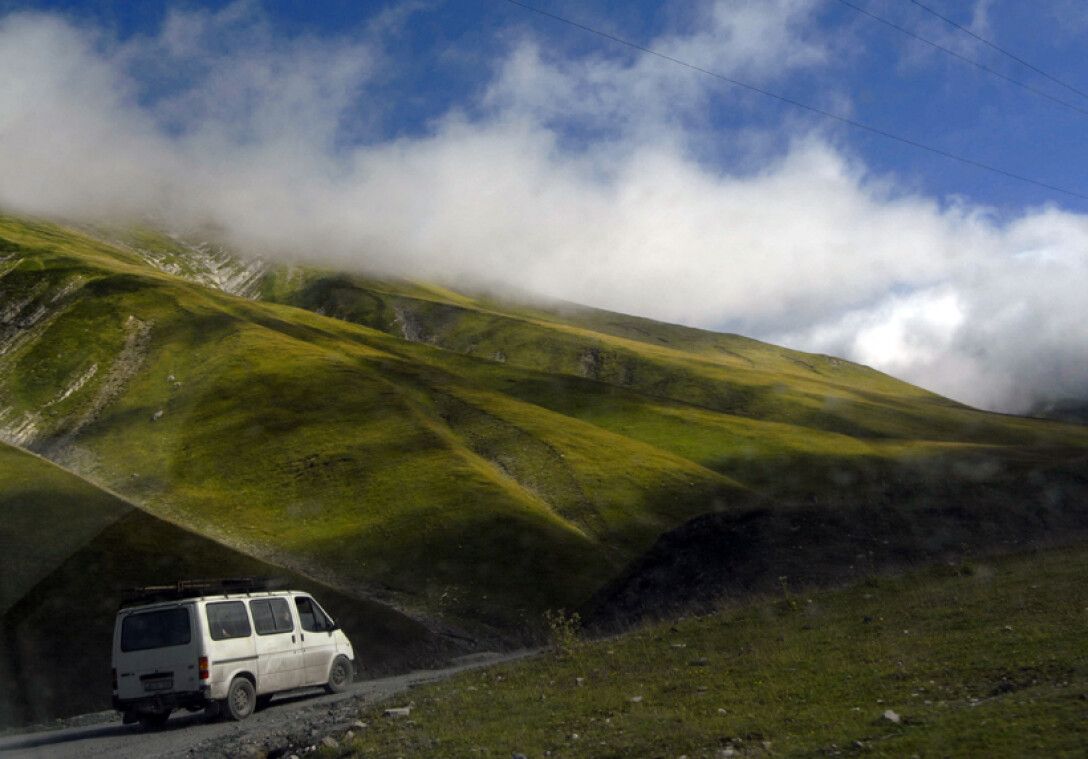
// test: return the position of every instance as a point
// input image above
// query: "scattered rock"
(635, 699)
(892, 716)
(590, 363)
(359, 725)
(157, 415)
(329, 742)
(702, 661)
(580, 680)
(518, 755)
(398, 711)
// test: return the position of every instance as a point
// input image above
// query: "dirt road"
(289, 723)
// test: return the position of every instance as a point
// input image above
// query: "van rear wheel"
(340, 675)
(241, 699)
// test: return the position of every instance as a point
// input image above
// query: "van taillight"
(202, 665)
(113, 677)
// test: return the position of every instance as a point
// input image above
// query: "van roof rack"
(194, 589)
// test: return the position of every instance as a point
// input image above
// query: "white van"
(227, 653)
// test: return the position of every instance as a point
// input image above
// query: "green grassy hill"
(338, 449)
(980, 659)
(462, 458)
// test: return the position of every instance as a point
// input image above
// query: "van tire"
(340, 675)
(241, 699)
(153, 720)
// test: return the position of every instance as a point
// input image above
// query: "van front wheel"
(340, 675)
(241, 699)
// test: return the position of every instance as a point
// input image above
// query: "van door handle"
(292, 638)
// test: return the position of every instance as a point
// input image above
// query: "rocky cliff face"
(209, 265)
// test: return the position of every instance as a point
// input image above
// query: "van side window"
(227, 619)
(271, 615)
(310, 617)
(282, 614)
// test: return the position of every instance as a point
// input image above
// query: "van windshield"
(155, 629)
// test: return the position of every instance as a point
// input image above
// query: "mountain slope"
(320, 444)
(457, 456)
(730, 374)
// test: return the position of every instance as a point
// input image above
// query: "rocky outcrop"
(209, 265)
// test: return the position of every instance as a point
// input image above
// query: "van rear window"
(155, 629)
(227, 619)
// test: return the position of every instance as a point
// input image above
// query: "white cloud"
(642, 97)
(804, 245)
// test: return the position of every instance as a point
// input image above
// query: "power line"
(798, 104)
(999, 49)
(964, 58)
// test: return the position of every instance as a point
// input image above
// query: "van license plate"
(165, 684)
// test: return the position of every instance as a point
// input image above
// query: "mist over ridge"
(583, 177)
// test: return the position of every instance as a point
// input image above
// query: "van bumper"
(162, 702)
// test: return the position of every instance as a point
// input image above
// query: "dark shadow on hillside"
(833, 523)
(57, 640)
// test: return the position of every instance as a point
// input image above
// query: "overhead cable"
(965, 59)
(999, 49)
(804, 106)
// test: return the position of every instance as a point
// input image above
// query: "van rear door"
(156, 652)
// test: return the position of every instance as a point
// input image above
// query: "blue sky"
(446, 51)
(475, 142)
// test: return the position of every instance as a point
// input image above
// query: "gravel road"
(289, 724)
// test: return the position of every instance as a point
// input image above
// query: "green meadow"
(968, 659)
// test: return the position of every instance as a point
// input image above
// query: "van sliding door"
(279, 650)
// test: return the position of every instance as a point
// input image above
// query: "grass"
(514, 461)
(979, 659)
